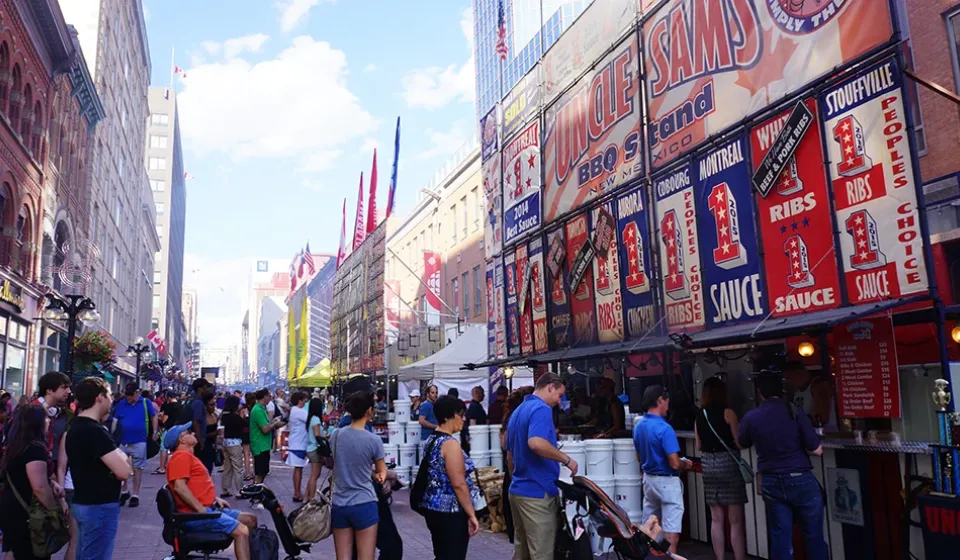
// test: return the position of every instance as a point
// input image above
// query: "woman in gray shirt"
(355, 452)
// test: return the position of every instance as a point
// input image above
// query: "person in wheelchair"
(194, 492)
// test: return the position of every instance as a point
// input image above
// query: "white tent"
(468, 348)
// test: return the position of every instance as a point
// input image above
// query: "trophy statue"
(946, 455)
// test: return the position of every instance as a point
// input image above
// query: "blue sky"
(281, 106)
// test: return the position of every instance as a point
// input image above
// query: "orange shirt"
(184, 464)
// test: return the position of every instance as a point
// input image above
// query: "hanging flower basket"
(93, 347)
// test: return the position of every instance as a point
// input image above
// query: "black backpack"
(264, 544)
(420, 484)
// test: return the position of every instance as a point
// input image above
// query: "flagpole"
(172, 64)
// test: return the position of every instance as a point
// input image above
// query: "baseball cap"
(200, 383)
(415, 393)
(130, 388)
(172, 438)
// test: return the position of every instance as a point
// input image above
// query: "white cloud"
(444, 143)
(320, 161)
(436, 87)
(212, 47)
(295, 105)
(370, 67)
(295, 12)
(221, 287)
(235, 46)
(369, 145)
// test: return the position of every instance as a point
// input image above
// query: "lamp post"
(137, 350)
(71, 309)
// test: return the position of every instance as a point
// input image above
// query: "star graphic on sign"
(793, 243)
(848, 150)
(783, 229)
(859, 220)
(863, 256)
(846, 126)
(673, 260)
(633, 262)
(673, 277)
(796, 264)
(798, 274)
(846, 137)
(629, 235)
(860, 232)
(725, 247)
(806, 222)
(794, 254)
(720, 197)
(862, 244)
(529, 180)
(722, 213)
(670, 243)
(532, 159)
(723, 231)
(669, 226)
(794, 226)
(635, 275)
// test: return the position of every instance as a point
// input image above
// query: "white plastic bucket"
(480, 458)
(576, 450)
(408, 455)
(479, 438)
(401, 411)
(496, 459)
(629, 495)
(395, 433)
(599, 458)
(391, 454)
(412, 432)
(628, 418)
(625, 458)
(606, 483)
(494, 430)
(403, 475)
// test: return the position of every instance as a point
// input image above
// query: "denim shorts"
(358, 517)
(226, 523)
(663, 497)
(137, 453)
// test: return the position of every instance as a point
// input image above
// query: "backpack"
(264, 544)
(420, 484)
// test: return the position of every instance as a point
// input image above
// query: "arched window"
(5, 78)
(36, 134)
(16, 98)
(5, 192)
(26, 119)
(23, 219)
(61, 236)
(23, 238)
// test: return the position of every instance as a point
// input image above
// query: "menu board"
(868, 381)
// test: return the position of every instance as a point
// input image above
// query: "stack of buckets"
(612, 465)
(403, 439)
(485, 446)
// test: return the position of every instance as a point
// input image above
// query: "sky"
(281, 107)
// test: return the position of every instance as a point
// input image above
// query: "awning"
(319, 375)
(810, 323)
(642, 345)
(468, 348)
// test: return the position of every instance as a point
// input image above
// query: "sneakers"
(134, 501)
(123, 498)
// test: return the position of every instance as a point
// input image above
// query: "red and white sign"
(874, 190)
(521, 165)
(798, 254)
(431, 272)
(526, 315)
(538, 294)
(581, 301)
(868, 379)
(493, 221)
(606, 273)
(708, 64)
(679, 251)
(500, 331)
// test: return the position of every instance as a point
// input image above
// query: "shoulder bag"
(153, 446)
(311, 522)
(49, 529)
(419, 487)
(746, 473)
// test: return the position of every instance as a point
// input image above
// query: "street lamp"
(137, 350)
(74, 307)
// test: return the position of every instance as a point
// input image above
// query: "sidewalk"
(140, 528)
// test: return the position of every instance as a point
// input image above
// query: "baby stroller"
(261, 494)
(610, 520)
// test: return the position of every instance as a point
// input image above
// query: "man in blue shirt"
(133, 413)
(427, 419)
(785, 439)
(659, 454)
(534, 462)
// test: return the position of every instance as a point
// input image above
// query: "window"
(466, 294)
(158, 164)
(160, 231)
(474, 200)
(156, 301)
(477, 291)
(463, 211)
(123, 117)
(157, 276)
(159, 206)
(115, 267)
(159, 119)
(453, 221)
(456, 297)
(118, 215)
(120, 165)
(157, 141)
(158, 186)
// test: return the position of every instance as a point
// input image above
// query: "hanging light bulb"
(955, 334)
(806, 349)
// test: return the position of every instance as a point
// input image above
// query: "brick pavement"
(140, 536)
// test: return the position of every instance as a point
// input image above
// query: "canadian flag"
(158, 344)
(179, 71)
(188, 176)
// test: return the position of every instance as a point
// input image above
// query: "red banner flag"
(342, 251)
(372, 216)
(359, 233)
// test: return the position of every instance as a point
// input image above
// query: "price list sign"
(868, 381)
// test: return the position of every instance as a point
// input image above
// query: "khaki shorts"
(535, 527)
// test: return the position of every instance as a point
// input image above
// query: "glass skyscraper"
(532, 27)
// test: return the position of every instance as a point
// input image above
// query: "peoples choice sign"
(796, 224)
(874, 192)
(498, 300)
(679, 250)
(521, 183)
(592, 138)
(606, 274)
(731, 267)
(710, 63)
(538, 295)
(581, 300)
(635, 269)
(524, 311)
(512, 310)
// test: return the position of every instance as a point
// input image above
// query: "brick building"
(48, 109)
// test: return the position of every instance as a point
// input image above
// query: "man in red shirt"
(194, 491)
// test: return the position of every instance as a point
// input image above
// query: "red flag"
(342, 251)
(359, 233)
(372, 216)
